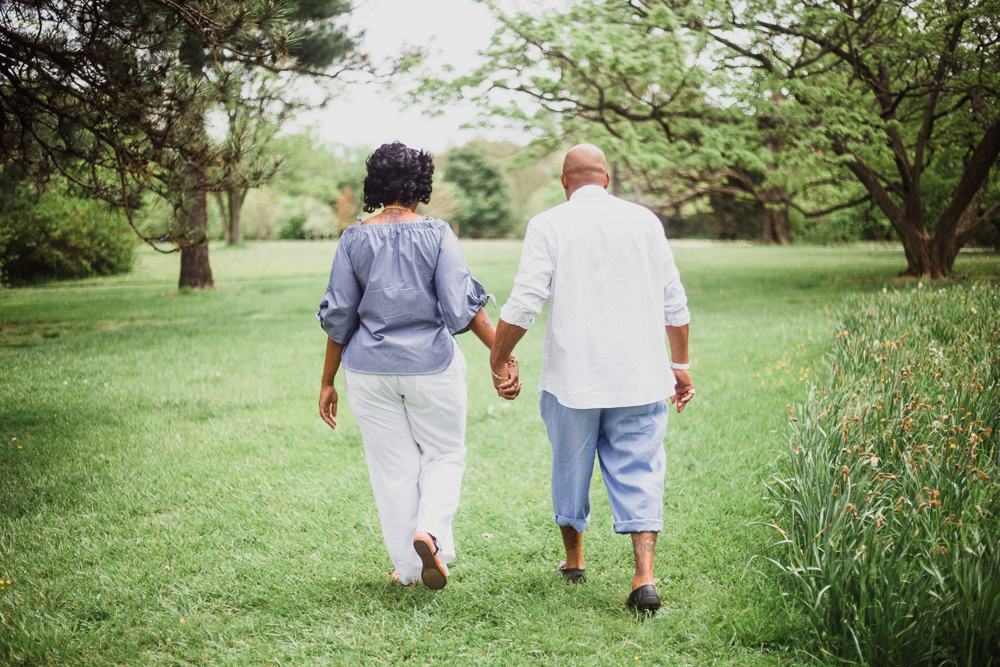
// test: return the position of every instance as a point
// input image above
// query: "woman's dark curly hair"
(397, 173)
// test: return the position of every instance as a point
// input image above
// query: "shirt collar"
(589, 191)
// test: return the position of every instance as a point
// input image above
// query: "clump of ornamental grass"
(888, 496)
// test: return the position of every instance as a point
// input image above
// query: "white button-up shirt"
(606, 268)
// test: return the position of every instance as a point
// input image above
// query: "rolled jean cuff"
(579, 525)
(639, 526)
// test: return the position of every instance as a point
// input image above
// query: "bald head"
(585, 164)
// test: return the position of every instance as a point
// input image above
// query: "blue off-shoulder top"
(398, 292)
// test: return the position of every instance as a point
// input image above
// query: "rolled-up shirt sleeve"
(533, 282)
(338, 311)
(675, 310)
(459, 294)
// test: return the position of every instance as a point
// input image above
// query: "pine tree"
(113, 96)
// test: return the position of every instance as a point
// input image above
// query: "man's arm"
(678, 337)
(531, 289)
(507, 337)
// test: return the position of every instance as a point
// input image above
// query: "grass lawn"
(168, 494)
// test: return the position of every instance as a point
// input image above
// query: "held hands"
(684, 389)
(505, 379)
(328, 405)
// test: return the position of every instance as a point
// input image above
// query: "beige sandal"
(433, 573)
(395, 577)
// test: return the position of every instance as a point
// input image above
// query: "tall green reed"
(888, 497)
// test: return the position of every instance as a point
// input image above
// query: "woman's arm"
(327, 392)
(483, 328)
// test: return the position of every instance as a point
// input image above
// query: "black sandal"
(573, 575)
(644, 599)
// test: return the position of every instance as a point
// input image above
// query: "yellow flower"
(183, 621)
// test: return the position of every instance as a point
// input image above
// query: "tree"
(792, 104)
(596, 72)
(483, 195)
(901, 94)
(114, 97)
(261, 99)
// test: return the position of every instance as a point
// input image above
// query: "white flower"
(884, 290)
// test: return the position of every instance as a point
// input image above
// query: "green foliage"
(312, 168)
(123, 93)
(61, 236)
(814, 107)
(888, 495)
(484, 208)
(319, 41)
(294, 228)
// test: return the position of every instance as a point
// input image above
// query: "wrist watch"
(680, 367)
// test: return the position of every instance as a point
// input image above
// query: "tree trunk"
(927, 256)
(236, 198)
(923, 260)
(196, 271)
(224, 216)
(933, 256)
(776, 227)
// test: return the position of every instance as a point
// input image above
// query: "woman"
(399, 292)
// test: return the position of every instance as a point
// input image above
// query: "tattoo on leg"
(644, 544)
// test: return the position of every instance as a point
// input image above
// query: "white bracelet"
(680, 367)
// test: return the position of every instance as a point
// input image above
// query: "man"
(606, 269)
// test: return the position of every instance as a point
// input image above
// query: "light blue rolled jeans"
(628, 442)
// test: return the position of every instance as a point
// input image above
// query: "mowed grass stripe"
(172, 468)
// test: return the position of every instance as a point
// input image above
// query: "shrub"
(62, 237)
(888, 497)
(294, 228)
(483, 195)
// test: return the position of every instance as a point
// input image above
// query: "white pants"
(413, 429)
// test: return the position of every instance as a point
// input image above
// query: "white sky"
(453, 31)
